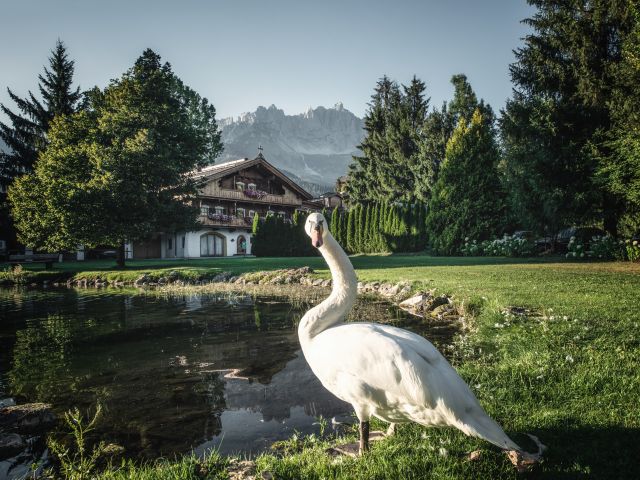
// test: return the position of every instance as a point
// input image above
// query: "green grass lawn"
(570, 375)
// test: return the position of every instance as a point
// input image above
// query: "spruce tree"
(343, 228)
(351, 222)
(558, 125)
(27, 134)
(470, 166)
(119, 170)
(335, 224)
(620, 169)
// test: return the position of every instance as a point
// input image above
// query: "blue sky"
(294, 54)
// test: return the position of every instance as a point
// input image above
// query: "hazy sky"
(292, 53)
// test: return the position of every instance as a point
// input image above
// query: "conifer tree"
(351, 224)
(335, 225)
(557, 128)
(343, 228)
(27, 133)
(119, 170)
(470, 166)
(366, 229)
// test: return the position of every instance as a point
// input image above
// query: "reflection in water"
(172, 374)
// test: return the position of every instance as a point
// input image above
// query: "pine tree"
(118, 170)
(557, 127)
(620, 170)
(470, 166)
(27, 134)
(366, 171)
(351, 224)
(343, 228)
(335, 225)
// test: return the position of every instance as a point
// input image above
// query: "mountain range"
(315, 146)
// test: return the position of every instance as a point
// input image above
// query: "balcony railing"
(225, 220)
(228, 193)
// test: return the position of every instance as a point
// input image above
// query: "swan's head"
(316, 228)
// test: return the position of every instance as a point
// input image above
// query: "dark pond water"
(173, 374)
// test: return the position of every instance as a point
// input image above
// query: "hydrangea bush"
(603, 247)
(632, 250)
(506, 246)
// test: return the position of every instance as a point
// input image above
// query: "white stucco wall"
(192, 242)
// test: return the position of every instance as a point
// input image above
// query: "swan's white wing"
(399, 376)
(376, 364)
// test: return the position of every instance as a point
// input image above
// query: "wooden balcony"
(226, 221)
(238, 195)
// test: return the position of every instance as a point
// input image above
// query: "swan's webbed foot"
(524, 461)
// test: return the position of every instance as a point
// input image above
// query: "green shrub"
(606, 248)
(633, 250)
(506, 246)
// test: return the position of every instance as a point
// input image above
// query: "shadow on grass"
(595, 453)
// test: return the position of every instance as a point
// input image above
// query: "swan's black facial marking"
(316, 233)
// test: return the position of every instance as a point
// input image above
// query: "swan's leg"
(364, 437)
(391, 430)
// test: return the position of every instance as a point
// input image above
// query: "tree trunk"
(120, 257)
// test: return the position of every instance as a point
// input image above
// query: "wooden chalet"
(230, 194)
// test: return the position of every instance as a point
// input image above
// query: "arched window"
(212, 245)
(241, 243)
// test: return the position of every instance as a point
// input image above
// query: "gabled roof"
(220, 170)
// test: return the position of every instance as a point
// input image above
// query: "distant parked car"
(524, 234)
(583, 236)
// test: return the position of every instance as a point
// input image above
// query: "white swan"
(384, 371)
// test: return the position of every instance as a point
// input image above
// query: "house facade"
(229, 196)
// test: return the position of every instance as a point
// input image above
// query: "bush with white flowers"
(632, 250)
(576, 249)
(506, 246)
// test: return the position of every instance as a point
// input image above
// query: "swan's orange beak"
(316, 236)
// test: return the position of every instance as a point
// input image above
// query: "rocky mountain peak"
(317, 144)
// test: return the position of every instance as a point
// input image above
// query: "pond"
(173, 373)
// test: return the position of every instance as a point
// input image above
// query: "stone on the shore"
(141, 280)
(11, 444)
(27, 418)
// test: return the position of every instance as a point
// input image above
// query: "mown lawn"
(569, 373)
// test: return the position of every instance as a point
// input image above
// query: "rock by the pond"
(426, 304)
(11, 444)
(27, 418)
(141, 280)
(416, 302)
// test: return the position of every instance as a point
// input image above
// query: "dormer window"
(240, 185)
(251, 186)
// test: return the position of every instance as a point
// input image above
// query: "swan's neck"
(336, 307)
